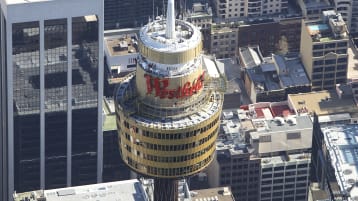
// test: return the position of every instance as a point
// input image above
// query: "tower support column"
(165, 189)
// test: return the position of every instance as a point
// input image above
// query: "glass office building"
(51, 91)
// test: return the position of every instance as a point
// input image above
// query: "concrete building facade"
(229, 9)
(264, 153)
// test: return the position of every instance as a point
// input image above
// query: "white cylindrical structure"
(170, 29)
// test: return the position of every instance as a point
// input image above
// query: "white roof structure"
(153, 35)
(342, 146)
(129, 190)
(211, 68)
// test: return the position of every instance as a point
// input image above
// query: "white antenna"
(170, 30)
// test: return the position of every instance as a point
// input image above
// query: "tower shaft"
(165, 189)
(170, 30)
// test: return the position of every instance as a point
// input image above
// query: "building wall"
(114, 169)
(223, 42)
(354, 19)
(239, 171)
(306, 50)
(229, 9)
(130, 13)
(265, 35)
(288, 180)
(322, 171)
(290, 35)
(325, 61)
(3, 111)
(345, 8)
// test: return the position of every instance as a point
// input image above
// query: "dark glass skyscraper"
(130, 13)
(51, 89)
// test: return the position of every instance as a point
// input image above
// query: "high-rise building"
(334, 156)
(168, 112)
(273, 35)
(349, 11)
(130, 13)
(51, 93)
(263, 153)
(324, 45)
(312, 9)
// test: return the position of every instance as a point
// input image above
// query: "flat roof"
(212, 194)
(232, 73)
(264, 71)
(342, 146)
(294, 71)
(123, 44)
(9, 2)
(129, 190)
(321, 102)
(283, 160)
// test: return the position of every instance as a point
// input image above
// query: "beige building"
(224, 40)
(200, 15)
(228, 9)
(324, 45)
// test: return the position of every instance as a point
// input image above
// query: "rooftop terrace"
(331, 27)
(322, 103)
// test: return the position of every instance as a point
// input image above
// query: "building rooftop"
(322, 103)
(316, 193)
(282, 159)
(331, 27)
(273, 73)
(232, 72)
(285, 130)
(121, 44)
(129, 190)
(212, 194)
(9, 2)
(283, 134)
(342, 145)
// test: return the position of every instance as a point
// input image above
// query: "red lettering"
(185, 90)
(148, 80)
(160, 87)
(178, 93)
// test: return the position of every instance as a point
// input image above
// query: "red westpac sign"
(160, 87)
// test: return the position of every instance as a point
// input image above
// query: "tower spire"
(170, 29)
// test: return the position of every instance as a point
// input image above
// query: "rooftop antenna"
(170, 29)
(153, 17)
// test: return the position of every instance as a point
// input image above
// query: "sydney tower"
(168, 112)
